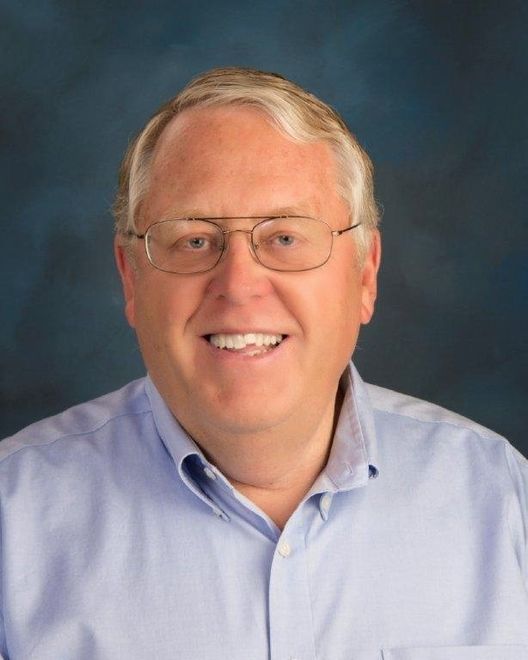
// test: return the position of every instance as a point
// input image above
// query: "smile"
(262, 342)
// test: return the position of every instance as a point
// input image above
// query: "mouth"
(249, 343)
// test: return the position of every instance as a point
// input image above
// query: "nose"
(239, 277)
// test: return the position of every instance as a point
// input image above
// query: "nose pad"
(227, 246)
(239, 279)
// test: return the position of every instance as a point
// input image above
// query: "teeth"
(237, 342)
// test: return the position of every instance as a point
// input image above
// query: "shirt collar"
(178, 443)
(353, 457)
(184, 451)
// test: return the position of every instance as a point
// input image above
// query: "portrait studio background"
(435, 91)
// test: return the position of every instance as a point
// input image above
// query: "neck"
(277, 467)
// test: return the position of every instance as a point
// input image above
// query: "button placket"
(290, 606)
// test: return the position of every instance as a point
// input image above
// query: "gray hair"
(297, 113)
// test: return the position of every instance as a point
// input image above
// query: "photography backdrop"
(435, 90)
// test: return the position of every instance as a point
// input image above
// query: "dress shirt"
(121, 541)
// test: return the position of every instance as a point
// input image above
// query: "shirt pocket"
(500, 652)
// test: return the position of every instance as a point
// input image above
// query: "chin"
(243, 415)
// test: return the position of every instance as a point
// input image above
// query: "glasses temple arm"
(133, 233)
(338, 232)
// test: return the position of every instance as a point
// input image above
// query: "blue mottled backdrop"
(436, 91)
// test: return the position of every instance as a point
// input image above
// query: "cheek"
(165, 305)
(342, 309)
(343, 291)
(328, 307)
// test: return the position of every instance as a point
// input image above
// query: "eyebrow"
(293, 210)
(301, 210)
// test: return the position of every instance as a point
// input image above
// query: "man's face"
(232, 161)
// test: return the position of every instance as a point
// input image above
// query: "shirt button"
(284, 549)
(326, 501)
(209, 472)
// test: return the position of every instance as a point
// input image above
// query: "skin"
(265, 421)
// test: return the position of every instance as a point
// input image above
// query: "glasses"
(195, 245)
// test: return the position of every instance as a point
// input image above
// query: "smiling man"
(219, 338)
(252, 497)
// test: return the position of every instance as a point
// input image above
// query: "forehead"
(233, 161)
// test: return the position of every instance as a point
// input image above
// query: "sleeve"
(3, 649)
(3, 644)
(518, 511)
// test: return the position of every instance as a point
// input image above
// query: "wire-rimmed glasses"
(196, 245)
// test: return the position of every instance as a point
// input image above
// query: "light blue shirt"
(120, 541)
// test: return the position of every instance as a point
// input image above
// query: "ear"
(128, 280)
(369, 277)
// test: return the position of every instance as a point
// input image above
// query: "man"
(252, 498)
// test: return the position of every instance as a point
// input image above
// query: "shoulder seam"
(74, 434)
(481, 431)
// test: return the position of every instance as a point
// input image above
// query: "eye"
(285, 239)
(191, 243)
(282, 235)
(196, 242)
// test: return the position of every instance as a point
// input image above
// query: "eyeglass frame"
(252, 247)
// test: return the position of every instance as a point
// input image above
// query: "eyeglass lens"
(193, 246)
